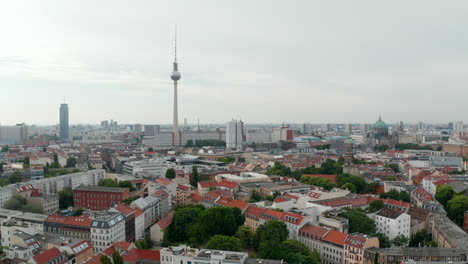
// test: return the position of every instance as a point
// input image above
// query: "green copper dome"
(380, 124)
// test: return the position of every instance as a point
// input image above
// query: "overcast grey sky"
(263, 61)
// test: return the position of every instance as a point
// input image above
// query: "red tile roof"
(270, 213)
(396, 203)
(292, 218)
(161, 194)
(355, 241)
(228, 184)
(208, 184)
(138, 212)
(313, 231)
(280, 199)
(125, 209)
(120, 245)
(196, 198)
(254, 211)
(335, 237)
(163, 181)
(183, 187)
(82, 220)
(47, 255)
(225, 201)
(166, 221)
(135, 255)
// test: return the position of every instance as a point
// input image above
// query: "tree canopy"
(65, 198)
(196, 224)
(396, 195)
(318, 181)
(195, 177)
(456, 208)
(224, 243)
(443, 194)
(18, 202)
(358, 221)
(170, 173)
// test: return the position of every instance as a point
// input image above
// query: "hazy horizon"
(259, 61)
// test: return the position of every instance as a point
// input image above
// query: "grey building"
(64, 124)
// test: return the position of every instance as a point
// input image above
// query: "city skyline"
(318, 65)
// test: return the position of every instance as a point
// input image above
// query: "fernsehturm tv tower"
(175, 76)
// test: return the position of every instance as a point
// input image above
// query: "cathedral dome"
(380, 125)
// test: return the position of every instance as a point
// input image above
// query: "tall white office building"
(458, 127)
(234, 134)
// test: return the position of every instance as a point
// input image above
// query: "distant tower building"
(137, 128)
(105, 123)
(348, 156)
(328, 127)
(364, 129)
(349, 129)
(175, 76)
(421, 126)
(458, 127)
(234, 134)
(152, 130)
(64, 125)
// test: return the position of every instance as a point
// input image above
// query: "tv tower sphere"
(175, 75)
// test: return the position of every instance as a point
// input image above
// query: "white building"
(234, 134)
(5, 195)
(139, 224)
(244, 177)
(186, 255)
(56, 184)
(151, 167)
(151, 207)
(393, 223)
(106, 229)
(13, 134)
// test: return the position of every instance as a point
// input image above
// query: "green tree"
(117, 258)
(443, 194)
(1, 166)
(255, 196)
(5, 148)
(349, 186)
(396, 195)
(422, 238)
(357, 181)
(391, 178)
(27, 161)
(16, 202)
(318, 181)
(400, 241)
(105, 259)
(71, 162)
(293, 251)
(65, 198)
(456, 208)
(189, 143)
(224, 243)
(107, 183)
(170, 173)
(44, 149)
(218, 220)
(246, 237)
(269, 237)
(279, 170)
(184, 219)
(375, 206)
(384, 242)
(130, 199)
(195, 177)
(127, 184)
(15, 177)
(78, 212)
(359, 222)
(227, 160)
